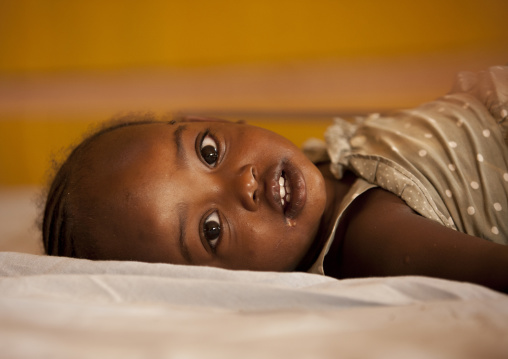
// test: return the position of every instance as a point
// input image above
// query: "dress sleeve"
(491, 88)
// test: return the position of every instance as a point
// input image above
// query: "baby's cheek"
(259, 249)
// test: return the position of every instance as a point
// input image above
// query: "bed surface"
(68, 308)
(61, 308)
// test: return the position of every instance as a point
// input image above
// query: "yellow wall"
(89, 34)
(56, 42)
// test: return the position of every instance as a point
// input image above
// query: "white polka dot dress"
(448, 159)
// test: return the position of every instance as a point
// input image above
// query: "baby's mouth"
(288, 190)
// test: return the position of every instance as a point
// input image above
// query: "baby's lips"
(297, 188)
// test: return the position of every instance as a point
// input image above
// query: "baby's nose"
(247, 187)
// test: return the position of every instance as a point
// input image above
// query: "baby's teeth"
(284, 191)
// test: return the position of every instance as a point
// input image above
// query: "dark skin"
(382, 236)
(141, 183)
(149, 195)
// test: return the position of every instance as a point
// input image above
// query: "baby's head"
(195, 191)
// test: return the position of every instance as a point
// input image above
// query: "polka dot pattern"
(447, 160)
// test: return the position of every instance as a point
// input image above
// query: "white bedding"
(68, 308)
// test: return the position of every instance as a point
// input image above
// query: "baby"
(421, 192)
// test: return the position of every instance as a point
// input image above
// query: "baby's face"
(206, 193)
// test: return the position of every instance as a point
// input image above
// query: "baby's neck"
(335, 192)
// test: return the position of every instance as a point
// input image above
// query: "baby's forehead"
(114, 152)
(125, 138)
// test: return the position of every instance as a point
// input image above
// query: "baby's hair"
(58, 225)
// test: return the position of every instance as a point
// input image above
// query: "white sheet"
(69, 308)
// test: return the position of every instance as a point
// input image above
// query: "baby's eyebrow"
(182, 220)
(180, 150)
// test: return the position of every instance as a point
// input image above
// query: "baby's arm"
(384, 237)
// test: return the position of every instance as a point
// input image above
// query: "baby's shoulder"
(375, 210)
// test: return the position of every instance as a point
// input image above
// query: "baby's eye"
(209, 150)
(211, 229)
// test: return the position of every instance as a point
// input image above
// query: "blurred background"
(286, 65)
